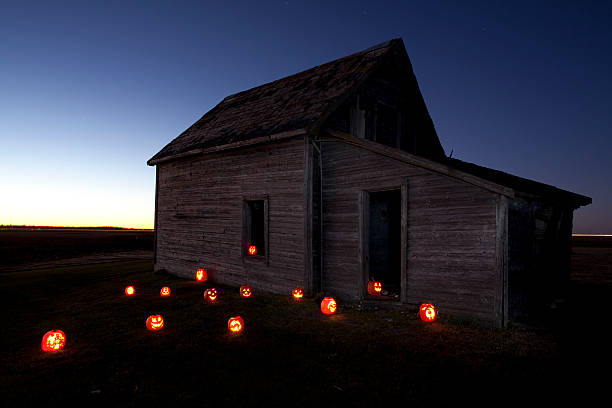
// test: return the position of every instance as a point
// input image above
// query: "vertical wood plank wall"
(199, 215)
(451, 232)
(539, 249)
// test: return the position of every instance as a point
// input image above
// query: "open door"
(384, 241)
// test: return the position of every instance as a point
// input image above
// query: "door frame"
(364, 237)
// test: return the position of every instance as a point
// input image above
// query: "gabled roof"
(299, 101)
(489, 179)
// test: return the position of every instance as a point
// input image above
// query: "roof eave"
(422, 162)
(228, 146)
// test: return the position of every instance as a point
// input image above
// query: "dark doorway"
(385, 239)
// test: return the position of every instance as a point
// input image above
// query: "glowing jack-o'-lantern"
(201, 275)
(210, 294)
(235, 324)
(297, 293)
(155, 322)
(246, 291)
(374, 288)
(53, 340)
(165, 291)
(428, 313)
(129, 290)
(252, 250)
(328, 305)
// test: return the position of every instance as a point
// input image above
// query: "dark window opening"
(386, 125)
(255, 228)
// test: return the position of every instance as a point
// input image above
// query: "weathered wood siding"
(539, 247)
(199, 214)
(451, 232)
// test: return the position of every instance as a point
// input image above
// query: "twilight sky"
(90, 90)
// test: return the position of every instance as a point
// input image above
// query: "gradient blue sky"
(90, 90)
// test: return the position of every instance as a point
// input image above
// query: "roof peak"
(296, 102)
(386, 44)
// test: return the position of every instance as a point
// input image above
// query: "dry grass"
(290, 353)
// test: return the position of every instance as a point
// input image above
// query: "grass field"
(289, 355)
(18, 246)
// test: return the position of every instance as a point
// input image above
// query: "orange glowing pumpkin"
(328, 305)
(428, 313)
(53, 341)
(165, 291)
(252, 250)
(201, 275)
(155, 322)
(297, 293)
(235, 324)
(246, 291)
(210, 295)
(374, 288)
(129, 290)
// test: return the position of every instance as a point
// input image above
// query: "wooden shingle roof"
(520, 184)
(295, 102)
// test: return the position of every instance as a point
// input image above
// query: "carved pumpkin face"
(53, 341)
(165, 291)
(155, 322)
(210, 295)
(374, 288)
(129, 290)
(252, 250)
(428, 313)
(201, 275)
(235, 325)
(328, 305)
(297, 293)
(246, 291)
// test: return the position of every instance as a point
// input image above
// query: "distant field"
(20, 246)
(600, 241)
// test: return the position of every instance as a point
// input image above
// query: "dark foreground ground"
(290, 354)
(21, 246)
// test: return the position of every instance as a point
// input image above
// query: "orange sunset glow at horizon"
(76, 208)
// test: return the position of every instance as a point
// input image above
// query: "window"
(255, 229)
(386, 125)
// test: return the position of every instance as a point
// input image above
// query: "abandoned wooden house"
(336, 176)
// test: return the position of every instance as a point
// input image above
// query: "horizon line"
(6, 226)
(152, 229)
(591, 235)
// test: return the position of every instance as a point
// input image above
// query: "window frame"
(265, 258)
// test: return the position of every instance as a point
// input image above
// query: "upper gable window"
(387, 125)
